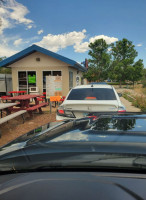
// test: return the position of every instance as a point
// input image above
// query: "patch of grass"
(140, 102)
(128, 96)
(137, 101)
(144, 83)
(144, 91)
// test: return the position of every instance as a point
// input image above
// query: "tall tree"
(144, 77)
(144, 73)
(100, 61)
(91, 74)
(123, 55)
(135, 72)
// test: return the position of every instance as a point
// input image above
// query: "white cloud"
(5, 48)
(29, 26)
(12, 13)
(18, 13)
(84, 46)
(4, 24)
(40, 31)
(84, 31)
(108, 40)
(6, 40)
(139, 45)
(6, 51)
(78, 40)
(81, 47)
(75, 39)
(57, 42)
(18, 42)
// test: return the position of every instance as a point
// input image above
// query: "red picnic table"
(24, 101)
(17, 92)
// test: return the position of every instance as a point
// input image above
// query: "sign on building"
(53, 86)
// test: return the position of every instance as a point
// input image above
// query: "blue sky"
(67, 27)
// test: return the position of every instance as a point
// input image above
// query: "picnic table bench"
(24, 103)
(12, 116)
(6, 107)
(35, 107)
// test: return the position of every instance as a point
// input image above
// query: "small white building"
(33, 64)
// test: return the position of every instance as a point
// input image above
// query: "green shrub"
(115, 83)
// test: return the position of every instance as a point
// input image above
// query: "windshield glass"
(72, 83)
(92, 94)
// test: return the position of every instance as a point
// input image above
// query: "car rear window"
(92, 94)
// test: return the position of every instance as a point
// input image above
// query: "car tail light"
(60, 112)
(121, 109)
(93, 117)
(64, 113)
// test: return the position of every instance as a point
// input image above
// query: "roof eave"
(80, 67)
(35, 48)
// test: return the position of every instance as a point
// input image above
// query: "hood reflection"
(114, 124)
(107, 129)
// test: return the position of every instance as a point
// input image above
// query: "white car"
(86, 99)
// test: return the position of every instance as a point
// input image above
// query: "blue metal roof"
(34, 48)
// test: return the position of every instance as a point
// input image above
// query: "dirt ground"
(15, 128)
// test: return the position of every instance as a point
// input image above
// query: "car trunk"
(82, 108)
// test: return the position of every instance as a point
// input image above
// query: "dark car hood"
(86, 129)
(77, 140)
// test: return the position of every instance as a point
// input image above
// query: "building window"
(56, 73)
(22, 80)
(31, 79)
(70, 80)
(26, 79)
